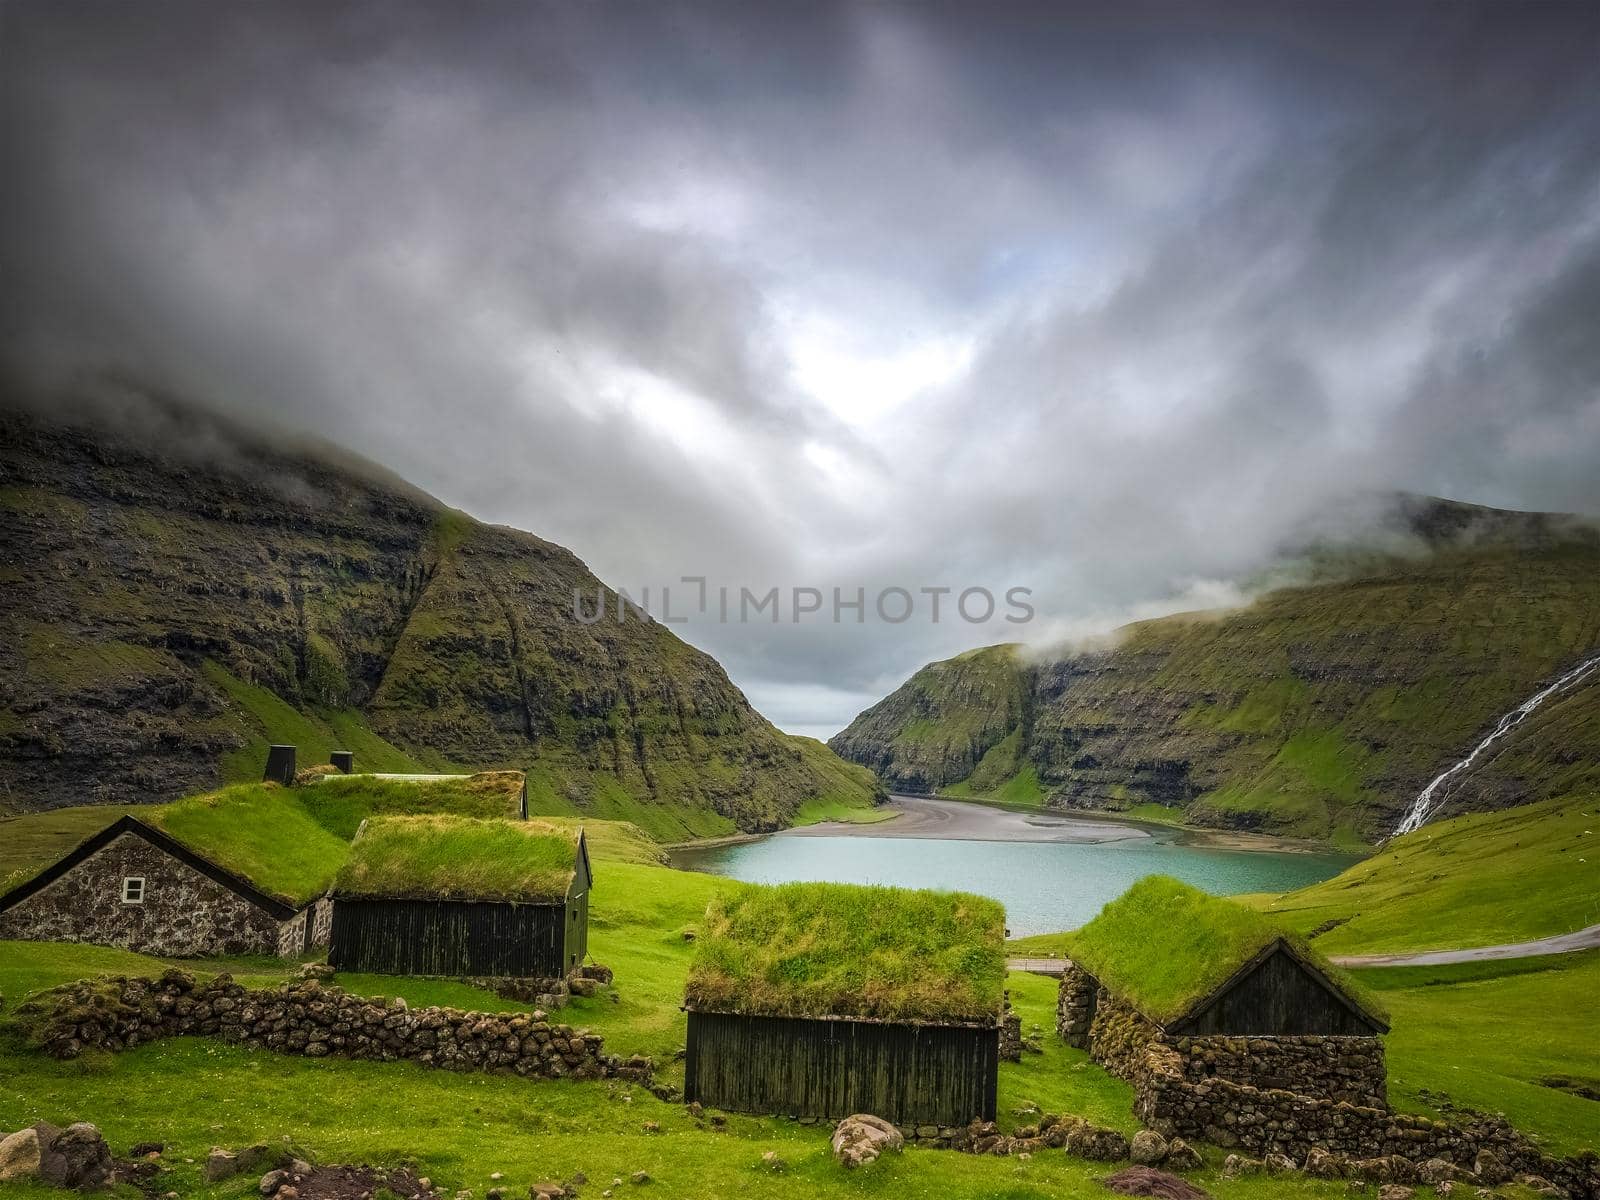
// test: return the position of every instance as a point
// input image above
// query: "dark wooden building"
(881, 1025)
(456, 897)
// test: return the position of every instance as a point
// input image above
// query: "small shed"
(242, 871)
(1192, 963)
(822, 1000)
(458, 897)
(1168, 964)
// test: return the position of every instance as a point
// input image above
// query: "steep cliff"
(179, 592)
(1320, 709)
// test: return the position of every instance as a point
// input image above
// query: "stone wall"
(1174, 1101)
(1329, 1068)
(1075, 1003)
(1324, 1067)
(183, 913)
(312, 1019)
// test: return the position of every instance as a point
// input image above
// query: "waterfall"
(1432, 796)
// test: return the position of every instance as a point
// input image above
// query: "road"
(1561, 943)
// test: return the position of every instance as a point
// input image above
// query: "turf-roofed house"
(462, 898)
(823, 1000)
(241, 871)
(1188, 995)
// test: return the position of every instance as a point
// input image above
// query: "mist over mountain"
(183, 589)
(1318, 709)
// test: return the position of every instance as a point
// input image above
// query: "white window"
(133, 889)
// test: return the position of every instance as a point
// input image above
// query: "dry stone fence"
(310, 1018)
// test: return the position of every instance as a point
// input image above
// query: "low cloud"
(1097, 303)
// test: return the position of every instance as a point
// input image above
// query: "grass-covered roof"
(458, 858)
(260, 832)
(1164, 946)
(833, 949)
(341, 802)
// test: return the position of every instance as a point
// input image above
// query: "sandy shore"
(955, 820)
(962, 820)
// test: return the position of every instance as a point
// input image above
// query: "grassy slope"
(195, 1093)
(1318, 711)
(459, 858)
(1165, 945)
(947, 720)
(218, 610)
(825, 949)
(1476, 880)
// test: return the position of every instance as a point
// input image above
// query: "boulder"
(1387, 1168)
(1280, 1164)
(1396, 1191)
(1324, 1164)
(1437, 1170)
(75, 1157)
(1148, 1148)
(272, 1181)
(1183, 1157)
(221, 1164)
(1147, 1181)
(20, 1154)
(860, 1139)
(1236, 1165)
(1096, 1144)
(1490, 1170)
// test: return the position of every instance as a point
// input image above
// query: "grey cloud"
(1204, 270)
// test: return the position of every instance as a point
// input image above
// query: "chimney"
(345, 760)
(280, 765)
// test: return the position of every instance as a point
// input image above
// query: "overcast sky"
(1094, 300)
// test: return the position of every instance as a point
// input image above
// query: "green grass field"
(1482, 1041)
(1477, 880)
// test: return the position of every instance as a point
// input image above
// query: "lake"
(1051, 870)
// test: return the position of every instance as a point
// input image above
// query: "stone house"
(1189, 996)
(138, 887)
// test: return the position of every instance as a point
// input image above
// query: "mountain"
(181, 591)
(1319, 710)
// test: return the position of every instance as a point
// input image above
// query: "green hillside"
(952, 720)
(1474, 880)
(1319, 710)
(180, 604)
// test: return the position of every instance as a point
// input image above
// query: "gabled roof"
(1171, 950)
(439, 857)
(240, 886)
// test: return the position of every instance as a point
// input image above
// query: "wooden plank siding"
(1279, 996)
(792, 1066)
(452, 938)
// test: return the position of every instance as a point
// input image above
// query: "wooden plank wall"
(440, 937)
(909, 1074)
(1279, 998)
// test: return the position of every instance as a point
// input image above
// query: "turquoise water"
(1045, 886)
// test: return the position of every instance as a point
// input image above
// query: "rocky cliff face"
(179, 594)
(936, 729)
(1321, 709)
